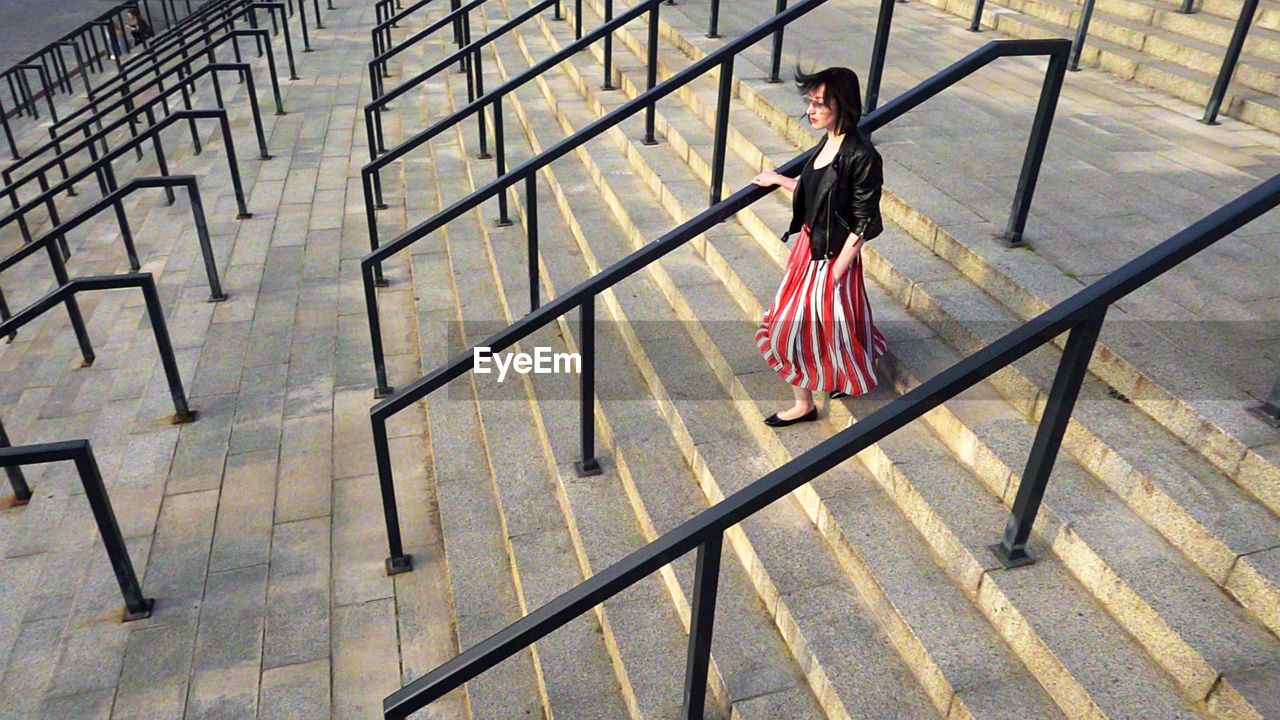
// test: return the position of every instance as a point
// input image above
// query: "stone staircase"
(1153, 43)
(869, 593)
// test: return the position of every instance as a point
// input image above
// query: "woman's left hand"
(844, 261)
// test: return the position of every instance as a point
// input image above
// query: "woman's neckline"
(833, 157)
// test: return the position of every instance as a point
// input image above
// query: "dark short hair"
(843, 94)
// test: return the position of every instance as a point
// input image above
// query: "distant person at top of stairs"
(818, 334)
(138, 28)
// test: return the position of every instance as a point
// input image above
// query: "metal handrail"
(185, 83)
(119, 83)
(468, 55)
(106, 179)
(80, 452)
(65, 295)
(1229, 61)
(85, 28)
(378, 65)
(380, 34)
(583, 295)
(722, 58)
(57, 236)
(369, 174)
(1081, 316)
(93, 140)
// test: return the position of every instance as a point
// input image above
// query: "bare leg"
(804, 404)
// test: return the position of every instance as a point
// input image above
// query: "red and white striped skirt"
(818, 334)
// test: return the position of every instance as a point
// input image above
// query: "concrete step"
(945, 696)
(1171, 446)
(666, 174)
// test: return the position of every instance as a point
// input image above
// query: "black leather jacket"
(851, 193)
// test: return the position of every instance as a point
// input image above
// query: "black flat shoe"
(836, 395)
(775, 421)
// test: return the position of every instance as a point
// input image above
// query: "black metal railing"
(55, 240)
(131, 101)
(83, 40)
(65, 295)
(380, 34)
(80, 452)
(1080, 316)
(370, 174)
(468, 56)
(583, 296)
(101, 167)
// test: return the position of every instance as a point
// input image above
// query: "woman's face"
(821, 115)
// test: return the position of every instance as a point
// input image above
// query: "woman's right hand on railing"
(769, 178)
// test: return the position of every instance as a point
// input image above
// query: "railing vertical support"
(775, 61)
(724, 101)
(397, 560)
(375, 332)
(1269, 410)
(975, 24)
(650, 113)
(136, 607)
(1012, 548)
(559, 13)
(482, 132)
(1082, 31)
(302, 20)
(206, 245)
(706, 581)
(531, 225)
(577, 19)
(608, 50)
(588, 465)
(878, 51)
(1049, 93)
(1188, 7)
(21, 490)
(713, 25)
(8, 134)
(182, 413)
(1229, 62)
(500, 165)
(73, 307)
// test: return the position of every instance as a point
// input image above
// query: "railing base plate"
(184, 418)
(244, 216)
(587, 468)
(383, 392)
(129, 616)
(13, 501)
(1267, 413)
(399, 564)
(1009, 561)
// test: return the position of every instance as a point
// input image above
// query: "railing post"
(880, 47)
(975, 24)
(608, 49)
(8, 134)
(1269, 410)
(588, 465)
(713, 24)
(531, 225)
(21, 490)
(206, 246)
(723, 102)
(706, 581)
(577, 19)
(136, 607)
(397, 560)
(1229, 62)
(1012, 548)
(775, 61)
(650, 113)
(1035, 149)
(559, 13)
(500, 166)
(1082, 31)
(482, 132)
(382, 389)
(1188, 7)
(182, 413)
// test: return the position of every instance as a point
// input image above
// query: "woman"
(139, 29)
(818, 335)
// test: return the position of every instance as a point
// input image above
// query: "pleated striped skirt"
(819, 334)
